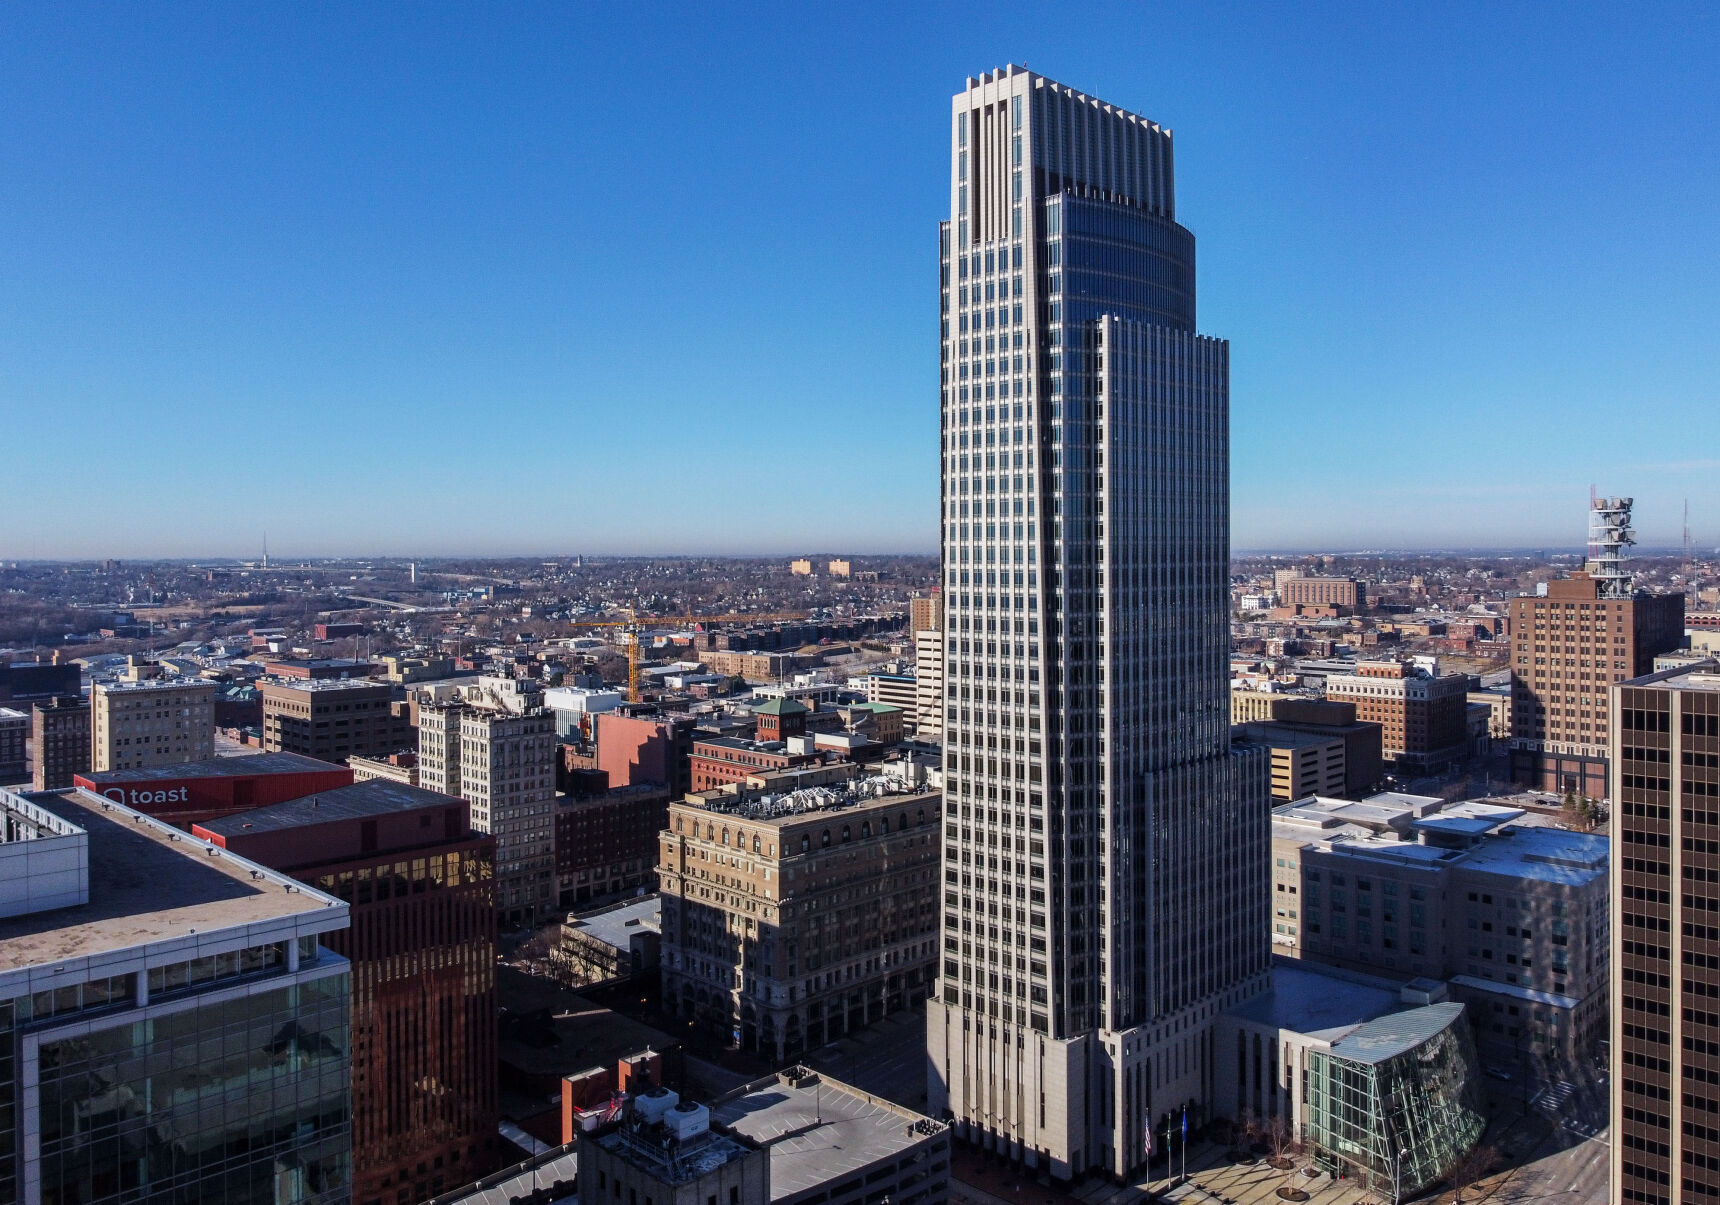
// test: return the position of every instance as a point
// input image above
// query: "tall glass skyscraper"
(1105, 854)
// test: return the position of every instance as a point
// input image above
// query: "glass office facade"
(236, 1101)
(1398, 1098)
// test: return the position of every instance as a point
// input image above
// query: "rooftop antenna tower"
(1689, 586)
(1609, 535)
(265, 550)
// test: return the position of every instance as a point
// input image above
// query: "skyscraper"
(1665, 766)
(1105, 855)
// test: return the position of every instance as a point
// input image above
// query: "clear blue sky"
(601, 278)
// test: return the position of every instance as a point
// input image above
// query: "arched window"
(755, 843)
(883, 825)
(845, 832)
(902, 821)
(725, 836)
(922, 818)
(825, 839)
(865, 830)
(677, 824)
(805, 845)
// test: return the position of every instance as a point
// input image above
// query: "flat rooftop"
(616, 926)
(220, 767)
(360, 801)
(1702, 675)
(154, 684)
(819, 1129)
(1319, 1001)
(148, 882)
(326, 685)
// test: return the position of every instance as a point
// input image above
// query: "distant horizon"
(295, 560)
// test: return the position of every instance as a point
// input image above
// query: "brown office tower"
(332, 719)
(1591, 630)
(422, 944)
(60, 730)
(1665, 752)
(926, 612)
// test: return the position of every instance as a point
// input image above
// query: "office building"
(926, 612)
(928, 710)
(189, 792)
(493, 745)
(1423, 717)
(27, 681)
(60, 731)
(1664, 753)
(171, 1026)
(332, 719)
(1363, 740)
(144, 721)
(799, 907)
(420, 886)
(1344, 593)
(717, 761)
(395, 767)
(1102, 898)
(1513, 915)
(606, 842)
(637, 745)
(1569, 646)
(14, 735)
(793, 1138)
(1303, 763)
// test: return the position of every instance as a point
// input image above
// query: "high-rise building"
(798, 906)
(926, 612)
(494, 747)
(1665, 764)
(422, 944)
(144, 721)
(929, 683)
(332, 719)
(1105, 893)
(1569, 646)
(60, 730)
(14, 735)
(171, 1026)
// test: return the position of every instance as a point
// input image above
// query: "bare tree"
(1470, 1168)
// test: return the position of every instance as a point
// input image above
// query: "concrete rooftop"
(149, 882)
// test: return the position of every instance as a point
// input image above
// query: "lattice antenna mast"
(1609, 535)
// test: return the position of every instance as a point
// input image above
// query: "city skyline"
(246, 253)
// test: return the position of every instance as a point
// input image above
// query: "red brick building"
(1567, 649)
(190, 792)
(606, 841)
(635, 745)
(720, 760)
(422, 944)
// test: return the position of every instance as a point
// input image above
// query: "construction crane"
(634, 622)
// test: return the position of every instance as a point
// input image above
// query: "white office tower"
(1106, 850)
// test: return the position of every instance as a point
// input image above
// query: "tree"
(1469, 1168)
